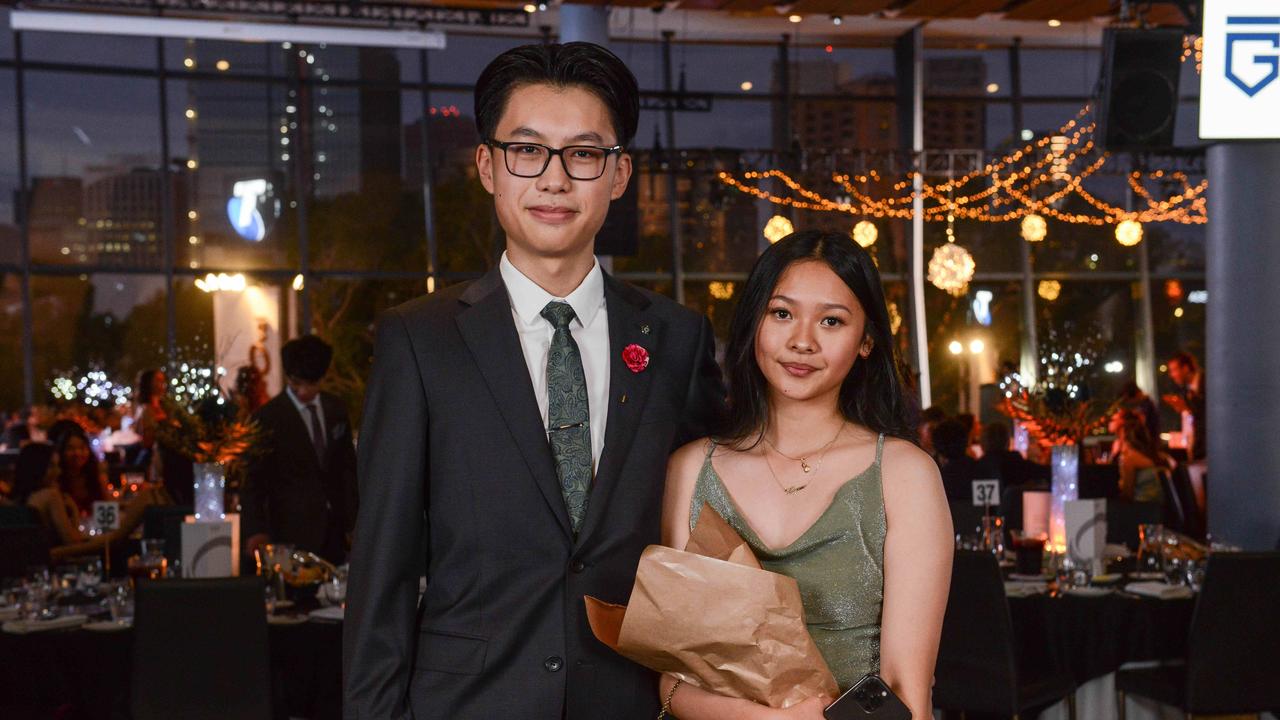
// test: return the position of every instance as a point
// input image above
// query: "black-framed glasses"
(580, 162)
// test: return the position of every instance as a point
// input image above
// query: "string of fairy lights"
(1027, 185)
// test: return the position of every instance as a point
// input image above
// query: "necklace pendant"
(804, 465)
(794, 489)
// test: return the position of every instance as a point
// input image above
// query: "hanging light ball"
(1049, 289)
(1034, 228)
(1129, 233)
(951, 268)
(865, 233)
(777, 228)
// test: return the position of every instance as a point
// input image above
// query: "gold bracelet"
(666, 706)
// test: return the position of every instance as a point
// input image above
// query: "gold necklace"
(793, 489)
(804, 459)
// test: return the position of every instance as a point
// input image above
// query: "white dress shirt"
(590, 330)
(306, 414)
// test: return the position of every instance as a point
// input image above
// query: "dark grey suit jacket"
(457, 480)
(288, 493)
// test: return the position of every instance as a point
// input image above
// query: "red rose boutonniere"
(636, 358)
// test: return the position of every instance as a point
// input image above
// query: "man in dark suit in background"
(518, 429)
(302, 491)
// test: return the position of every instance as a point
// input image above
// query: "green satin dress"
(838, 563)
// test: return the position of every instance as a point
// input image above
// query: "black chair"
(200, 650)
(1123, 519)
(22, 547)
(978, 671)
(1099, 481)
(1181, 509)
(17, 515)
(1232, 663)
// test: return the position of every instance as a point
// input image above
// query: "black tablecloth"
(76, 674)
(86, 674)
(1093, 636)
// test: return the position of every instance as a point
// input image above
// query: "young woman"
(1138, 457)
(818, 473)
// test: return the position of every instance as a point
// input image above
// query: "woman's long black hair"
(873, 394)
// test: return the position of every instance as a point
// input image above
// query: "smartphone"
(869, 699)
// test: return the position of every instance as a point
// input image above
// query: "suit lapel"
(299, 428)
(629, 324)
(490, 334)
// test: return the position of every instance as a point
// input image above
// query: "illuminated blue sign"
(242, 209)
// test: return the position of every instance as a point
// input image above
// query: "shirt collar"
(528, 298)
(298, 403)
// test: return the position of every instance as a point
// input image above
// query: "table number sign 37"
(986, 493)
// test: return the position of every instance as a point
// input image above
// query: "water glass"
(269, 598)
(120, 604)
(1195, 574)
(90, 576)
(1175, 569)
(337, 590)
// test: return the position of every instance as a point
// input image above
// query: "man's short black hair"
(576, 64)
(1186, 360)
(951, 439)
(306, 358)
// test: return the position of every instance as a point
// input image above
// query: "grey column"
(587, 23)
(584, 23)
(1243, 344)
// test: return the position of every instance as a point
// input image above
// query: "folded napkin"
(1024, 589)
(1160, 590)
(22, 627)
(332, 612)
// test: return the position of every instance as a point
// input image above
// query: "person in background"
(82, 478)
(39, 484)
(1001, 463)
(37, 468)
(929, 419)
(1138, 457)
(1132, 397)
(15, 435)
(1189, 379)
(951, 443)
(302, 490)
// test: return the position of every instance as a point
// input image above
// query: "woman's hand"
(810, 709)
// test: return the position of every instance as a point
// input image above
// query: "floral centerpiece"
(216, 436)
(1059, 409)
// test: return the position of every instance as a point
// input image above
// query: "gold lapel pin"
(644, 329)
(623, 399)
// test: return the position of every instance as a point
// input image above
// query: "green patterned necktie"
(568, 422)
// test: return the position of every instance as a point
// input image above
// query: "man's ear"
(484, 166)
(621, 177)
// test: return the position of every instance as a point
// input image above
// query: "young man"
(517, 430)
(302, 491)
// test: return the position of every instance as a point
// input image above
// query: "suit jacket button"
(553, 664)
(578, 566)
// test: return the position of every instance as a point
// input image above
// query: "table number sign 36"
(106, 516)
